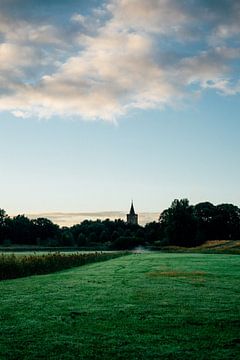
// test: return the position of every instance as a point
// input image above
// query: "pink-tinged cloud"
(122, 56)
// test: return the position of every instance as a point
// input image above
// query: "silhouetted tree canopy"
(181, 224)
(187, 225)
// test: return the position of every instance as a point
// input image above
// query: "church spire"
(132, 211)
(132, 217)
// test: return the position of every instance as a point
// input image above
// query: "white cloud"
(70, 219)
(138, 54)
(79, 18)
(161, 16)
(15, 57)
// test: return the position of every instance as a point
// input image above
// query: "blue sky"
(102, 102)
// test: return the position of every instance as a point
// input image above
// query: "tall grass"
(12, 266)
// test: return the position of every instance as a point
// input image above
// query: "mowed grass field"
(140, 306)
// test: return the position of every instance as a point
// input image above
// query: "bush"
(126, 242)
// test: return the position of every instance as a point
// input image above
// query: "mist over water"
(140, 249)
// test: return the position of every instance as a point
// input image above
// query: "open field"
(141, 306)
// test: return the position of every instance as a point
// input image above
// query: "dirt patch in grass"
(191, 274)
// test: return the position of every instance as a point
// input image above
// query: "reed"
(12, 266)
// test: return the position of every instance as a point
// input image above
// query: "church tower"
(132, 217)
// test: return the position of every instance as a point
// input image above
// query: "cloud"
(122, 55)
(15, 57)
(70, 219)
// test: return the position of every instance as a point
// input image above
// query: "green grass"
(141, 306)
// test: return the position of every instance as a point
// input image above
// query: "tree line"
(181, 224)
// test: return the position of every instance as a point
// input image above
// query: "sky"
(102, 102)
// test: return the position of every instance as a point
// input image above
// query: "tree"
(179, 223)
(4, 222)
(205, 213)
(45, 229)
(226, 222)
(92, 238)
(66, 238)
(104, 236)
(22, 230)
(153, 232)
(81, 240)
(126, 242)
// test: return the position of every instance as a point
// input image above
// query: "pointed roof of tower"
(132, 211)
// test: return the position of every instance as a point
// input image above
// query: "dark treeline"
(181, 224)
(187, 225)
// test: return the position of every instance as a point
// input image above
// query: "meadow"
(140, 306)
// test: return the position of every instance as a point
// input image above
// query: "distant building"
(132, 217)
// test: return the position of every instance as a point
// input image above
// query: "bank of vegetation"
(13, 266)
(181, 225)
